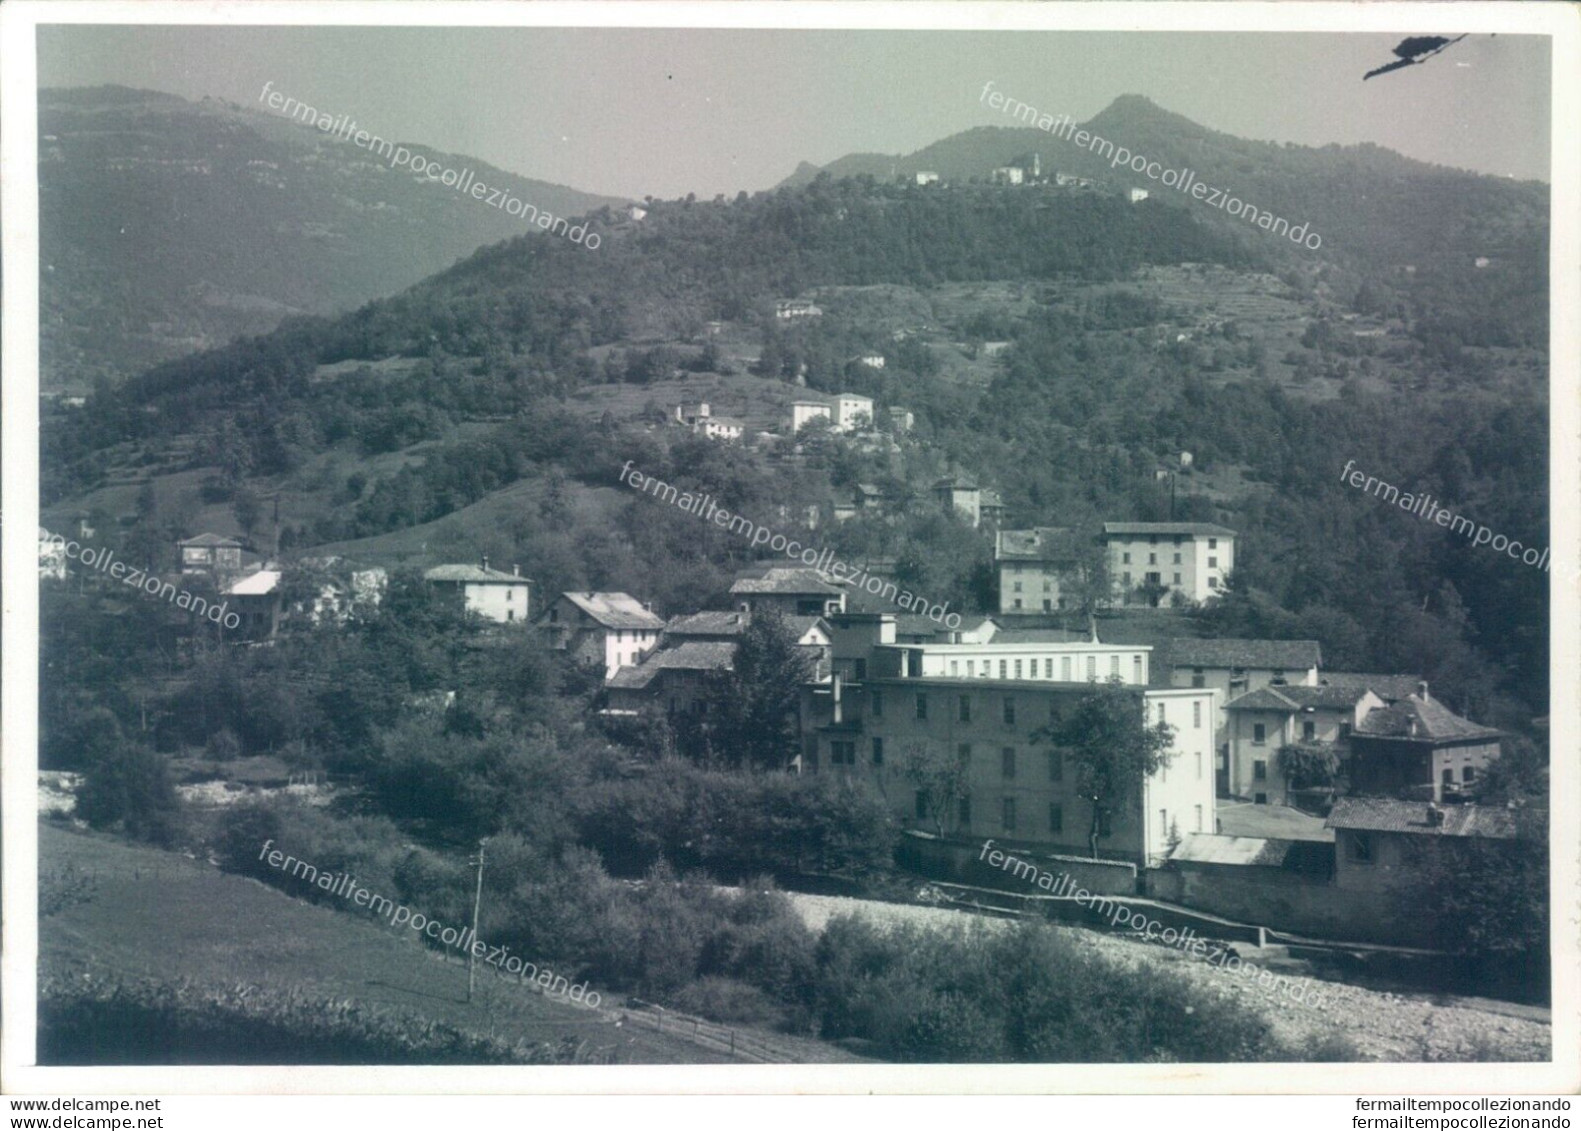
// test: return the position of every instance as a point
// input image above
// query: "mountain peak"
(1133, 111)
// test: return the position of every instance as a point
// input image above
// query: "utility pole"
(477, 903)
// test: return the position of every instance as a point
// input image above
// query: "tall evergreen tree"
(758, 725)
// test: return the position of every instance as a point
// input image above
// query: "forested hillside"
(1417, 230)
(1130, 333)
(168, 226)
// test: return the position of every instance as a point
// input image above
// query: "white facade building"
(1189, 558)
(491, 593)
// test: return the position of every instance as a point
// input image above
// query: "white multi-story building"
(1189, 558)
(852, 411)
(804, 411)
(1036, 568)
(845, 412)
(491, 593)
(614, 629)
(888, 703)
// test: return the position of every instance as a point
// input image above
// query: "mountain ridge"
(1127, 113)
(169, 226)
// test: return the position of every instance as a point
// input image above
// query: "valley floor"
(138, 913)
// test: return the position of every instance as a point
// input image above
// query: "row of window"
(1152, 559)
(1180, 540)
(1260, 732)
(1056, 816)
(1028, 668)
(842, 752)
(1007, 815)
(963, 711)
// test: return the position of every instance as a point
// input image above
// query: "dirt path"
(1381, 1025)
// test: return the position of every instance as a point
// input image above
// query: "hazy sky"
(667, 112)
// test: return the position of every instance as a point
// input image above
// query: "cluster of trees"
(525, 312)
(457, 737)
(1026, 994)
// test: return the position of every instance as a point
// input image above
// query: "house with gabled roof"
(612, 629)
(678, 681)
(811, 633)
(700, 419)
(1418, 746)
(1234, 667)
(210, 554)
(790, 592)
(1382, 843)
(1261, 722)
(256, 600)
(491, 593)
(1373, 883)
(961, 494)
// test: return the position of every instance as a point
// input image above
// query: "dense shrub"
(468, 787)
(370, 848)
(737, 823)
(128, 789)
(1021, 994)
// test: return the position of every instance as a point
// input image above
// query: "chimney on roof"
(1435, 816)
(1092, 626)
(485, 562)
(1421, 690)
